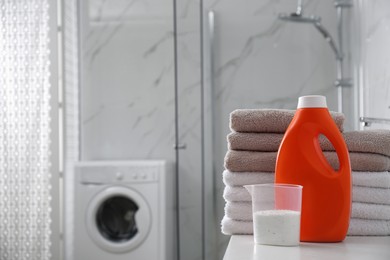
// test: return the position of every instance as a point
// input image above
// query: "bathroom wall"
(256, 61)
(128, 98)
(262, 62)
(128, 95)
(374, 55)
(127, 80)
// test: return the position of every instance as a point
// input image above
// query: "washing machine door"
(118, 219)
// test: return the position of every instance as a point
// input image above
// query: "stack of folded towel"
(251, 158)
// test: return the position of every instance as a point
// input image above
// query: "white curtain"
(24, 130)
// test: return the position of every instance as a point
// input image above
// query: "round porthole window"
(118, 219)
(115, 219)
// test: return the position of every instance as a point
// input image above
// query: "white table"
(356, 248)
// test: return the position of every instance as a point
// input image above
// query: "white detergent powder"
(277, 227)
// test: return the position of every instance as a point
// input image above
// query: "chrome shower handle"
(180, 146)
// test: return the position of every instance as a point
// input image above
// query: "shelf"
(356, 248)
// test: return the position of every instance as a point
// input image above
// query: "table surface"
(356, 248)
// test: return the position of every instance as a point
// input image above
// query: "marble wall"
(127, 80)
(128, 88)
(128, 95)
(254, 61)
(262, 62)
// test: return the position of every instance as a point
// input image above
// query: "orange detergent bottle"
(326, 197)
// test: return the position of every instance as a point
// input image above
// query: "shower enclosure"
(253, 58)
(299, 17)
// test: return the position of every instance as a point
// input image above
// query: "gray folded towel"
(370, 141)
(249, 161)
(269, 120)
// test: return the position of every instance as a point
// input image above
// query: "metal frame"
(368, 121)
(55, 203)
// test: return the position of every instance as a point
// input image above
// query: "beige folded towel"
(364, 179)
(362, 161)
(359, 194)
(245, 161)
(243, 211)
(269, 120)
(249, 161)
(357, 227)
(264, 142)
(370, 141)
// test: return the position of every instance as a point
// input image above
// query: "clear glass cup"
(276, 213)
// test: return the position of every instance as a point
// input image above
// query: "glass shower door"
(374, 56)
(252, 60)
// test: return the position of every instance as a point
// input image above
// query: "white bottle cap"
(312, 101)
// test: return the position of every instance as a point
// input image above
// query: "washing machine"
(124, 210)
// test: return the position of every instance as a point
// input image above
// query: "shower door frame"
(56, 131)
